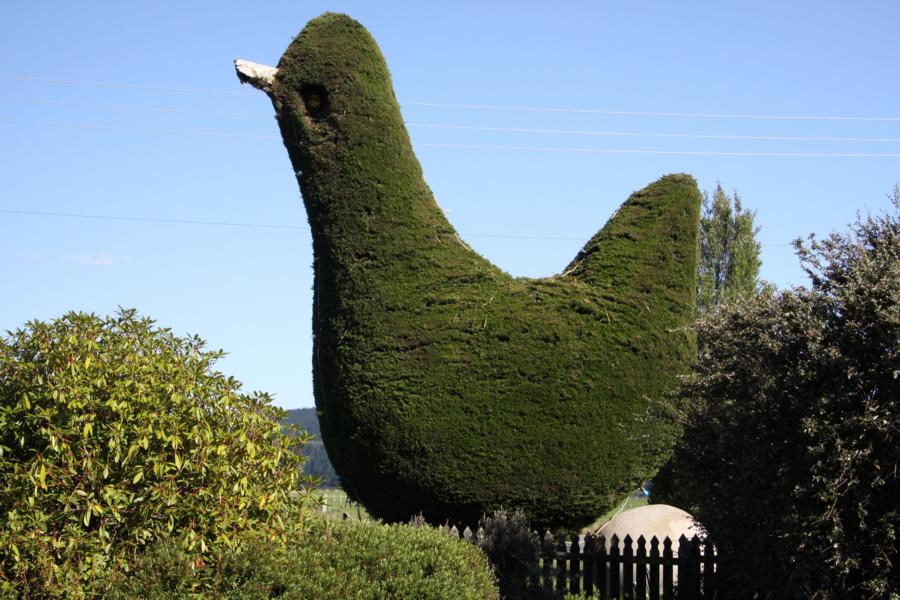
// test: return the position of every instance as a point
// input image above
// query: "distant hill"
(304, 417)
(317, 463)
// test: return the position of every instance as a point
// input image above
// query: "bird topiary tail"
(647, 252)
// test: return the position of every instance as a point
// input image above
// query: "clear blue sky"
(138, 150)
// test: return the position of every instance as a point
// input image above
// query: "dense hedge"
(445, 385)
(348, 560)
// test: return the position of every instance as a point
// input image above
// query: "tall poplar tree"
(728, 264)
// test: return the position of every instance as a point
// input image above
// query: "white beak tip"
(257, 75)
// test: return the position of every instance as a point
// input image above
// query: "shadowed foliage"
(444, 385)
(790, 456)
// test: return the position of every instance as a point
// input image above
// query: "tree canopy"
(728, 264)
(790, 453)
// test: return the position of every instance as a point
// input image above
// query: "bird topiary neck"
(361, 183)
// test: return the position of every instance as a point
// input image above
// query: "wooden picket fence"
(622, 569)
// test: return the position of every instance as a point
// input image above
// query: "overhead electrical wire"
(524, 130)
(636, 113)
(42, 213)
(135, 86)
(667, 152)
(700, 136)
(147, 130)
(705, 115)
(159, 109)
(529, 130)
(473, 146)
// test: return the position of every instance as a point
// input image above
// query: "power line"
(139, 129)
(476, 146)
(261, 225)
(704, 115)
(700, 136)
(633, 113)
(581, 132)
(159, 109)
(147, 219)
(234, 224)
(136, 86)
(667, 152)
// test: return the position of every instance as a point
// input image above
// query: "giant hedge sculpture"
(444, 385)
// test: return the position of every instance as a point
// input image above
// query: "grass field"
(336, 505)
(628, 503)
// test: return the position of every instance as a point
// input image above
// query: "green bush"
(444, 385)
(791, 454)
(331, 561)
(513, 549)
(114, 433)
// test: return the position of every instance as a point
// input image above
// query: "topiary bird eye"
(315, 100)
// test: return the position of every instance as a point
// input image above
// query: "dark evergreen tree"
(790, 456)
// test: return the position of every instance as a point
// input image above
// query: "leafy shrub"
(513, 550)
(331, 561)
(790, 456)
(114, 433)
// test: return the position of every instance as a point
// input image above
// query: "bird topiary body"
(444, 385)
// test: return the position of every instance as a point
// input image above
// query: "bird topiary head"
(340, 122)
(334, 70)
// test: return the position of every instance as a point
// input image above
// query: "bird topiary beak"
(259, 76)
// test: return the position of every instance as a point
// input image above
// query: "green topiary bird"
(444, 385)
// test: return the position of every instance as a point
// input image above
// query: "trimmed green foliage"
(444, 385)
(114, 433)
(332, 561)
(791, 453)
